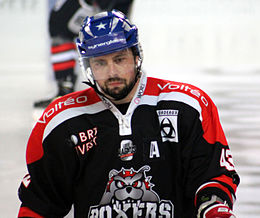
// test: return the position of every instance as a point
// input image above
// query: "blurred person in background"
(64, 24)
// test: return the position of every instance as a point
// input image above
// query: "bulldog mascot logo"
(129, 185)
(129, 193)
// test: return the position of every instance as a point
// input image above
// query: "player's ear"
(136, 59)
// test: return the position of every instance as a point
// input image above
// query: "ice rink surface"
(212, 44)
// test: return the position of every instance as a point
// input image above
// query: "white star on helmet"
(101, 26)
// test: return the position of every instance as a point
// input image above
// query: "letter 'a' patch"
(168, 124)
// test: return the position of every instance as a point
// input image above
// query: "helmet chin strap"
(95, 86)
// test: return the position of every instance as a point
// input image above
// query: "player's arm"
(216, 196)
(52, 165)
(211, 174)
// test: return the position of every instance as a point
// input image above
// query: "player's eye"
(119, 60)
(99, 63)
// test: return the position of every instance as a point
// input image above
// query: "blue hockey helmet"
(105, 33)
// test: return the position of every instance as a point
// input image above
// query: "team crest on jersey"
(126, 150)
(129, 193)
(168, 124)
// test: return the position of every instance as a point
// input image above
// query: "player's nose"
(112, 70)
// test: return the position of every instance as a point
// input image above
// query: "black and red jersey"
(155, 160)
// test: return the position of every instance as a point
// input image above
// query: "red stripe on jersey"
(213, 131)
(27, 212)
(64, 65)
(63, 47)
(218, 186)
(227, 180)
(34, 150)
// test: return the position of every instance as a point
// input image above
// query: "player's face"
(115, 73)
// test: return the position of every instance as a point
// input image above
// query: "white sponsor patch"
(168, 123)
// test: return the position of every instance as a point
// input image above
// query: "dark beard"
(121, 94)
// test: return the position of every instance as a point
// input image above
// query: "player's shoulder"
(75, 99)
(174, 90)
(72, 101)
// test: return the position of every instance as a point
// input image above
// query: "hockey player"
(130, 145)
(64, 24)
